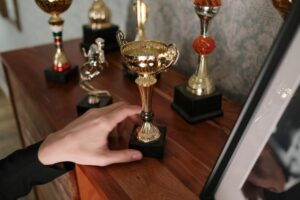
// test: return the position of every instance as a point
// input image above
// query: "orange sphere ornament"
(207, 2)
(204, 45)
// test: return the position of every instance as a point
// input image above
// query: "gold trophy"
(199, 99)
(92, 68)
(61, 69)
(147, 58)
(100, 26)
(141, 11)
(283, 6)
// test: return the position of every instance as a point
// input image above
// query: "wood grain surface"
(191, 150)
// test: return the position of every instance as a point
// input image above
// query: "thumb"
(121, 156)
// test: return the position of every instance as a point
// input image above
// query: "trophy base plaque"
(108, 34)
(153, 149)
(60, 77)
(196, 108)
(84, 105)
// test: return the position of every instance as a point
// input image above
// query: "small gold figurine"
(99, 15)
(141, 11)
(147, 59)
(92, 68)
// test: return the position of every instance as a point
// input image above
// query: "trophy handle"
(121, 38)
(169, 58)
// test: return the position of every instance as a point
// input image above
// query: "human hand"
(84, 141)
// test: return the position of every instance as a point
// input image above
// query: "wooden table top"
(190, 152)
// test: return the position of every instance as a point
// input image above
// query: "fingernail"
(137, 156)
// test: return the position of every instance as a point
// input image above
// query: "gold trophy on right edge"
(141, 11)
(147, 58)
(283, 6)
(199, 99)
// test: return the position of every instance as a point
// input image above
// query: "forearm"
(21, 170)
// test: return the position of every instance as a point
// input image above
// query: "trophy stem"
(203, 26)
(141, 12)
(60, 61)
(200, 82)
(147, 132)
(202, 66)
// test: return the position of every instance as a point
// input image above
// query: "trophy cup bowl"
(147, 58)
(61, 69)
(54, 6)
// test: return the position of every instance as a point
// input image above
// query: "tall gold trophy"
(61, 69)
(283, 6)
(147, 58)
(100, 26)
(141, 12)
(199, 99)
(92, 68)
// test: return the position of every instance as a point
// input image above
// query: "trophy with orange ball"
(198, 99)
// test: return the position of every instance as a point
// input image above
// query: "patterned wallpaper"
(243, 30)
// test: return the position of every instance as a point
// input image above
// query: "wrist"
(51, 150)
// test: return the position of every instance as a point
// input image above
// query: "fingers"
(96, 113)
(120, 113)
(106, 109)
(120, 156)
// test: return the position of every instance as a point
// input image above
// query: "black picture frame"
(272, 63)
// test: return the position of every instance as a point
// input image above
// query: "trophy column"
(199, 99)
(61, 69)
(141, 12)
(100, 26)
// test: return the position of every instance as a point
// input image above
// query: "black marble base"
(84, 105)
(152, 149)
(108, 34)
(60, 77)
(196, 108)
